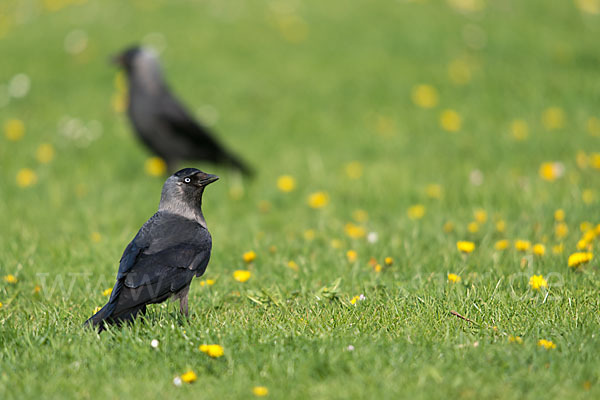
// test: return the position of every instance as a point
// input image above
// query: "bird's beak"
(207, 179)
(116, 59)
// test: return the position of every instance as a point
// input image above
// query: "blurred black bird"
(170, 249)
(162, 122)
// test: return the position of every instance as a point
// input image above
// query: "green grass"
(303, 88)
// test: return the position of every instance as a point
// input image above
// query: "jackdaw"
(170, 249)
(162, 122)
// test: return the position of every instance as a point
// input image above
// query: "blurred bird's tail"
(238, 164)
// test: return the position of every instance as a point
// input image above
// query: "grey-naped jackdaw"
(170, 249)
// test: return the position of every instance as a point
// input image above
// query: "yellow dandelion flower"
(522, 245)
(210, 282)
(260, 391)
(546, 344)
(292, 265)
(473, 227)
(360, 215)
(120, 98)
(465, 246)
(459, 72)
(515, 339)
(318, 200)
(14, 129)
(553, 118)
(355, 231)
(560, 230)
(37, 289)
(96, 237)
(107, 292)
(582, 244)
(119, 102)
(120, 81)
(595, 160)
(388, 261)
(249, 256)
(501, 226)
(519, 129)
(155, 166)
(0, 304)
(480, 215)
(354, 170)
(559, 215)
(351, 255)
(551, 171)
(425, 96)
(416, 212)
(213, 350)
(241, 275)
(589, 6)
(26, 177)
(189, 377)
(433, 191)
(448, 226)
(377, 268)
(557, 249)
(593, 123)
(450, 120)
(589, 235)
(579, 258)
(585, 226)
(10, 278)
(454, 278)
(44, 153)
(501, 245)
(539, 249)
(286, 183)
(309, 234)
(537, 282)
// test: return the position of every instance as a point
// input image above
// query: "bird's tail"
(238, 164)
(98, 320)
(108, 316)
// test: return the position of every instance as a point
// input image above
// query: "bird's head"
(134, 58)
(182, 192)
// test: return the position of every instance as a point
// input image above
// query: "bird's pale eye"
(187, 180)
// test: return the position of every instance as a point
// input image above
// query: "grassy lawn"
(418, 124)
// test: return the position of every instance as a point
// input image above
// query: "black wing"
(161, 260)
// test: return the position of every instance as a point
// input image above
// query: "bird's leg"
(183, 305)
(183, 301)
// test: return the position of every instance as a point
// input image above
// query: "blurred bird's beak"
(116, 59)
(208, 179)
